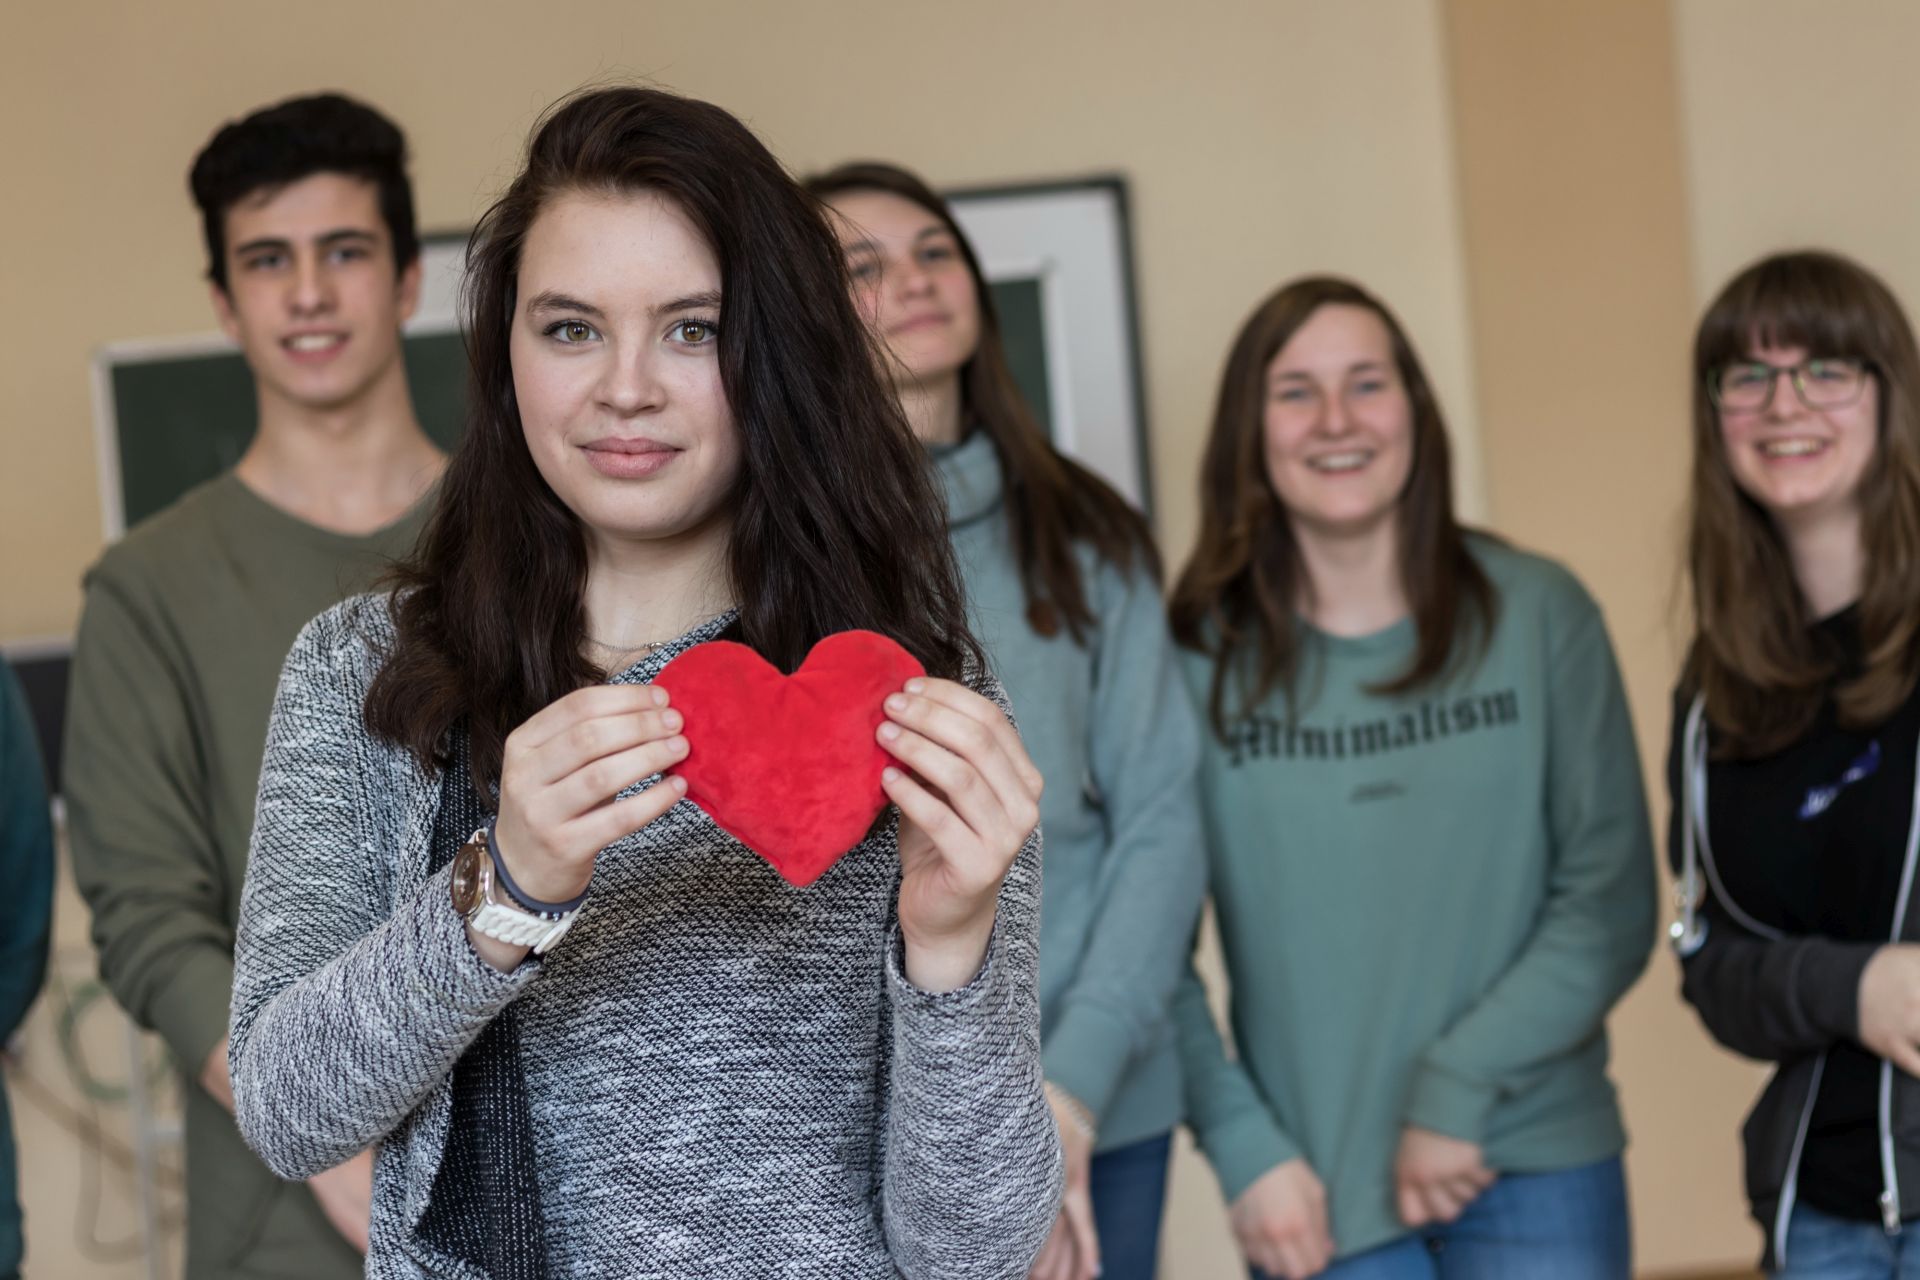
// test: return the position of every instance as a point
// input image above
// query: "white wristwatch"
(484, 897)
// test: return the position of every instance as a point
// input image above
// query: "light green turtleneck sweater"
(1114, 733)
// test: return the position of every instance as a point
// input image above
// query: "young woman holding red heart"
(1432, 868)
(1064, 585)
(590, 1032)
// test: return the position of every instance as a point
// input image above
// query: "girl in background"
(1063, 585)
(1793, 764)
(1431, 865)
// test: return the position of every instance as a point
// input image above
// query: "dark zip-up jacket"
(1786, 998)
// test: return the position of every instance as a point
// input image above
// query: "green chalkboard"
(1023, 329)
(183, 418)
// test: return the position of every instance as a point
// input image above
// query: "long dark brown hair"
(835, 522)
(1052, 502)
(1237, 595)
(1754, 654)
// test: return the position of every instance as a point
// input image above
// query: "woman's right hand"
(559, 775)
(1890, 1005)
(1281, 1222)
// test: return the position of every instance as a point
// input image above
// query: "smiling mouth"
(1333, 464)
(1795, 448)
(313, 343)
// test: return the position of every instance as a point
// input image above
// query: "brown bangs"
(1790, 300)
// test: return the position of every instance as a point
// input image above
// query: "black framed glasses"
(1824, 382)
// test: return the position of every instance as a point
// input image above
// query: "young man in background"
(313, 266)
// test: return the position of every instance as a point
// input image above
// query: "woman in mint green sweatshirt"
(1431, 863)
(1063, 583)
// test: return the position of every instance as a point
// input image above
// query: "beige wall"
(1264, 139)
(1799, 129)
(1573, 189)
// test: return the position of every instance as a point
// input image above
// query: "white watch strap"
(518, 928)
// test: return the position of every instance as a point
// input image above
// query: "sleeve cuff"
(940, 1014)
(191, 1013)
(1242, 1153)
(469, 986)
(1450, 1105)
(1830, 983)
(1087, 1054)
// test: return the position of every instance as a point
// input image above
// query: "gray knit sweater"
(727, 1076)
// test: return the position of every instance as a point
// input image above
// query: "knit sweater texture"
(727, 1075)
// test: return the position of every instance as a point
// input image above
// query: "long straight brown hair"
(1237, 595)
(1052, 502)
(1754, 655)
(835, 523)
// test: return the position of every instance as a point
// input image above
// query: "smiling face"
(616, 367)
(1798, 462)
(312, 295)
(910, 281)
(1338, 424)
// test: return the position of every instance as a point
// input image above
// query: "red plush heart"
(788, 764)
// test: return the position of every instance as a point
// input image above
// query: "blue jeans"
(1570, 1225)
(1129, 1188)
(1823, 1247)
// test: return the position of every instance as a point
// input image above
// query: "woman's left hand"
(1437, 1177)
(969, 797)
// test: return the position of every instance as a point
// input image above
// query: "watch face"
(466, 883)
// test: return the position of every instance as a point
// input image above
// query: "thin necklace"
(641, 650)
(646, 649)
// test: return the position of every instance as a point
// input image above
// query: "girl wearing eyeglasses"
(1793, 750)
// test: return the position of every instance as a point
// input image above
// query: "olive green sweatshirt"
(1427, 904)
(187, 621)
